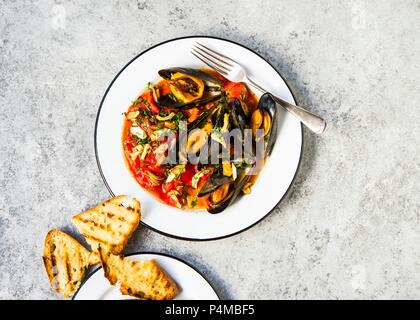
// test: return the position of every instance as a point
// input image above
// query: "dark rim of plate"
(145, 224)
(155, 253)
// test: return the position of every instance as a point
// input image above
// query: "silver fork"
(233, 71)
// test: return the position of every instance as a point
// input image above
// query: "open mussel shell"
(214, 182)
(235, 190)
(268, 104)
(239, 119)
(212, 89)
(204, 117)
(210, 80)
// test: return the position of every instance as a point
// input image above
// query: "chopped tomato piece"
(153, 107)
(164, 87)
(192, 114)
(236, 90)
(166, 187)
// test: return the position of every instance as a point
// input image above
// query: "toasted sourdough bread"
(66, 262)
(141, 279)
(110, 224)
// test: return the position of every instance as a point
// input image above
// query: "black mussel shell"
(203, 117)
(268, 104)
(212, 90)
(238, 116)
(234, 191)
(210, 80)
(214, 182)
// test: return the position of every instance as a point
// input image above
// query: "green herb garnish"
(238, 165)
(163, 113)
(177, 118)
(142, 141)
(194, 202)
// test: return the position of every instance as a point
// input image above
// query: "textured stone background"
(349, 228)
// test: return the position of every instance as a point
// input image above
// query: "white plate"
(273, 183)
(193, 285)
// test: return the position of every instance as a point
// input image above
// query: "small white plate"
(192, 284)
(273, 183)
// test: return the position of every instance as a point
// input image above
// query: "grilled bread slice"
(66, 262)
(110, 224)
(145, 280)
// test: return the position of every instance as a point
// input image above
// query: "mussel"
(211, 82)
(214, 182)
(229, 192)
(239, 119)
(224, 190)
(204, 118)
(190, 88)
(265, 117)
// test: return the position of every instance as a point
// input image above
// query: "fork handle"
(313, 122)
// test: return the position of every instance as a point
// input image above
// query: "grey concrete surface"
(349, 228)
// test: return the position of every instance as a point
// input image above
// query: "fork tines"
(212, 58)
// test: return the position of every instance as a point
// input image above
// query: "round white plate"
(273, 183)
(193, 285)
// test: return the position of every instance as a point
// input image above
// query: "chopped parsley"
(147, 112)
(194, 202)
(142, 141)
(177, 119)
(239, 165)
(163, 113)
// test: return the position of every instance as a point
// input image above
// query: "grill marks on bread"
(110, 224)
(66, 262)
(143, 279)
